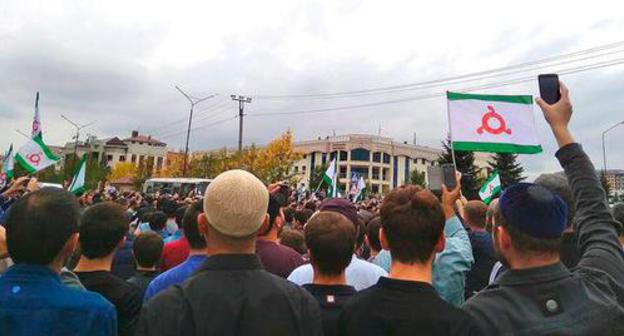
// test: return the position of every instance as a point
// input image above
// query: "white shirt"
(360, 274)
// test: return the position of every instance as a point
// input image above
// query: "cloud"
(117, 63)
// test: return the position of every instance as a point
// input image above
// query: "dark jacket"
(232, 295)
(551, 300)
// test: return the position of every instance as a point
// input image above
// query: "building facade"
(615, 179)
(383, 163)
(137, 149)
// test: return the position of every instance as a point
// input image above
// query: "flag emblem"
(485, 123)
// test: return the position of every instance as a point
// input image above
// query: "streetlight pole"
(604, 151)
(77, 136)
(194, 101)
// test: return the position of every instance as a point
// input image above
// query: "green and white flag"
(361, 187)
(36, 125)
(330, 178)
(35, 156)
(6, 175)
(77, 185)
(491, 188)
(492, 123)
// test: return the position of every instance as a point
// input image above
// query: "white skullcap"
(235, 203)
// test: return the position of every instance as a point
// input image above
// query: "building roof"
(115, 141)
(145, 139)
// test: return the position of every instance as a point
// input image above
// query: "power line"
(162, 128)
(447, 79)
(221, 121)
(439, 94)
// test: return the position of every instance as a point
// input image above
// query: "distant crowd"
(544, 258)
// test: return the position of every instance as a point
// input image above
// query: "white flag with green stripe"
(491, 188)
(361, 187)
(35, 156)
(6, 175)
(77, 185)
(492, 123)
(330, 178)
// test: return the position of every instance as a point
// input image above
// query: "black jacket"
(551, 300)
(232, 295)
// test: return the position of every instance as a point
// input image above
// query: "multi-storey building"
(382, 162)
(137, 149)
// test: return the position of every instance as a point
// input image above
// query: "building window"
(360, 154)
(109, 158)
(296, 169)
(423, 161)
(377, 157)
(133, 159)
(360, 171)
(305, 156)
(303, 169)
(343, 156)
(376, 173)
(386, 158)
(159, 163)
(375, 189)
(122, 158)
(343, 172)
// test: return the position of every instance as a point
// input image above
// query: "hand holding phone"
(449, 178)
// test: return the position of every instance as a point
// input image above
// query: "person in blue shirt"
(41, 234)
(196, 258)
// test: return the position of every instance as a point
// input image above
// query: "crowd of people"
(544, 258)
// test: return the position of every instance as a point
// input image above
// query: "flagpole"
(448, 113)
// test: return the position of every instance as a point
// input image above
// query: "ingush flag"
(35, 156)
(77, 185)
(492, 123)
(491, 188)
(6, 175)
(36, 125)
(361, 186)
(330, 178)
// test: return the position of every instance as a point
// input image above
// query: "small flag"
(77, 185)
(36, 125)
(35, 156)
(492, 123)
(361, 187)
(330, 178)
(6, 175)
(491, 188)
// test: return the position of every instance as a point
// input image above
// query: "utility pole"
(241, 108)
(604, 151)
(77, 136)
(194, 101)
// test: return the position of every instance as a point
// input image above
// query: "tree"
(509, 170)
(274, 162)
(465, 165)
(122, 170)
(174, 166)
(418, 178)
(143, 172)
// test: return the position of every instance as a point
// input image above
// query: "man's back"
(278, 259)
(126, 297)
(483, 253)
(33, 301)
(552, 300)
(398, 307)
(232, 295)
(331, 298)
(360, 274)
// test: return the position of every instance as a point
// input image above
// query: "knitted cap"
(235, 203)
(533, 210)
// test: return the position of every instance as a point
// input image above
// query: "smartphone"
(448, 176)
(434, 178)
(25, 183)
(549, 88)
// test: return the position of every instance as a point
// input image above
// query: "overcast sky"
(116, 63)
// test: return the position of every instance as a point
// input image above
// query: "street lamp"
(604, 152)
(194, 101)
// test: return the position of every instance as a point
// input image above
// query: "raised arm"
(595, 226)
